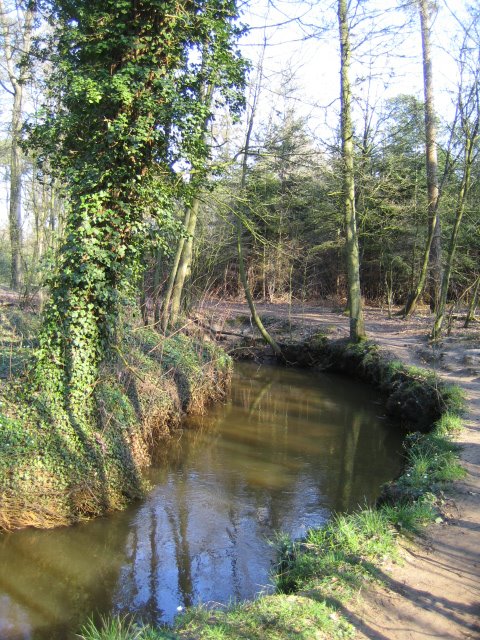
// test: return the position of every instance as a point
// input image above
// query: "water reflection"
(287, 449)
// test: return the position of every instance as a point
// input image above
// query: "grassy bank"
(54, 471)
(317, 575)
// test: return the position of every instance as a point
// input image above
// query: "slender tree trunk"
(432, 252)
(15, 209)
(470, 140)
(14, 52)
(184, 267)
(473, 303)
(144, 297)
(166, 313)
(357, 325)
(156, 287)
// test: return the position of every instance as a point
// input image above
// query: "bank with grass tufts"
(316, 576)
(55, 470)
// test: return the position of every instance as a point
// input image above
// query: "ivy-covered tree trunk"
(357, 325)
(123, 74)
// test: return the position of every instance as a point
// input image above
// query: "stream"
(287, 449)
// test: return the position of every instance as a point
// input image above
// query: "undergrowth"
(56, 469)
(316, 575)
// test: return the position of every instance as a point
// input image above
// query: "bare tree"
(16, 33)
(432, 252)
(357, 325)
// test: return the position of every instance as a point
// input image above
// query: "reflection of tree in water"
(280, 455)
(179, 528)
(351, 433)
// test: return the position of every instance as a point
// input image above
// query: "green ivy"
(123, 121)
(123, 112)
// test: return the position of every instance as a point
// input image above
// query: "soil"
(434, 592)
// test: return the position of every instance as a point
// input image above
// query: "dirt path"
(435, 592)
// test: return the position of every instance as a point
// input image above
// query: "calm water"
(286, 450)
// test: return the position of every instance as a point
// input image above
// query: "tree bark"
(357, 324)
(432, 252)
(184, 267)
(165, 314)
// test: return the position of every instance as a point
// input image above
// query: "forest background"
(284, 187)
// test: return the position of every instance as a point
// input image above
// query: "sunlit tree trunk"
(17, 74)
(157, 286)
(357, 325)
(432, 251)
(165, 314)
(185, 264)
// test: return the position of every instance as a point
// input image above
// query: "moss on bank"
(54, 471)
(315, 576)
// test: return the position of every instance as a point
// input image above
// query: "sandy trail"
(435, 592)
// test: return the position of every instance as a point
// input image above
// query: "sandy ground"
(435, 591)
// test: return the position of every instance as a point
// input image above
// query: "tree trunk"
(432, 253)
(471, 135)
(15, 209)
(357, 325)
(183, 270)
(473, 304)
(166, 313)
(156, 287)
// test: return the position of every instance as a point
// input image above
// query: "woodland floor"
(435, 591)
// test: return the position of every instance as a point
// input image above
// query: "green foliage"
(411, 517)
(122, 629)
(123, 113)
(432, 459)
(450, 423)
(345, 548)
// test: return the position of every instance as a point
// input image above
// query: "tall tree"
(16, 36)
(124, 72)
(357, 324)
(432, 252)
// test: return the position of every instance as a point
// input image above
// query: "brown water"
(286, 450)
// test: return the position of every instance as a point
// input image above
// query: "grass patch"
(279, 617)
